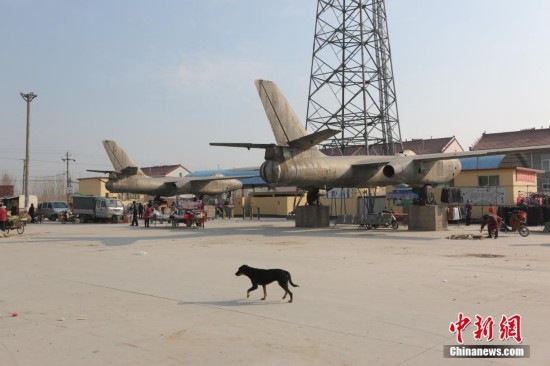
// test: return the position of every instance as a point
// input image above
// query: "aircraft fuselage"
(167, 186)
(311, 169)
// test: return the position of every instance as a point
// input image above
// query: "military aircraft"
(295, 161)
(128, 178)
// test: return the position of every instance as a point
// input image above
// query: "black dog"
(265, 277)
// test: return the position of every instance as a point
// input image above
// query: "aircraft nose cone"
(109, 185)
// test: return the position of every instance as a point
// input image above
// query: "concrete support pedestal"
(312, 216)
(426, 218)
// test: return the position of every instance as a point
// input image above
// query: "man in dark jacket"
(134, 214)
(32, 212)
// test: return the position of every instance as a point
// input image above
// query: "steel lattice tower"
(352, 85)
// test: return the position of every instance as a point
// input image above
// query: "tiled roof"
(162, 170)
(419, 146)
(531, 137)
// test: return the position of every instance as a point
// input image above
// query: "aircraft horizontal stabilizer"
(101, 171)
(128, 171)
(244, 144)
(311, 140)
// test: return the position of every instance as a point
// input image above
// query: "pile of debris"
(465, 236)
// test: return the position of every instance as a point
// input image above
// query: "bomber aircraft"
(129, 178)
(295, 161)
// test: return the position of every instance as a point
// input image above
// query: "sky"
(165, 78)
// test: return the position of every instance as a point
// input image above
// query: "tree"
(6, 180)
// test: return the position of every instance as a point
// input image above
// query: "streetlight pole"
(28, 97)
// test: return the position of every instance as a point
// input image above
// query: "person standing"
(468, 208)
(31, 212)
(3, 217)
(134, 214)
(147, 214)
(140, 210)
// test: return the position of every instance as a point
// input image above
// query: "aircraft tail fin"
(120, 160)
(285, 124)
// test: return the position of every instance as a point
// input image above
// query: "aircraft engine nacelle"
(406, 153)
(398, 168)
(110, 186)
(270, 171)
(420, 173)
(440, 171)
(216, 186)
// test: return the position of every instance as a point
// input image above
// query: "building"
(94, 186)
(498, 180)
(539, 160)
(418, 146)
(166, 171)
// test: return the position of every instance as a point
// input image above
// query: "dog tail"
(290, 280)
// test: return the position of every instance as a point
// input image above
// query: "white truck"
(91, 208)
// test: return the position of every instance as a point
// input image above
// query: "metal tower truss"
(352, 85)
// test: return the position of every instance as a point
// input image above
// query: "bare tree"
(51, 188)
(7, 180)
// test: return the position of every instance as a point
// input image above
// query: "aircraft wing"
(219, 177)
(372, 161)
(376, 160)
(476, 153)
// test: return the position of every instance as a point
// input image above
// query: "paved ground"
(92, 294)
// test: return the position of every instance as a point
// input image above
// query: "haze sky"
(165, 78)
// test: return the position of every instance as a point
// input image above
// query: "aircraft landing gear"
(313, 197)
(427, 195)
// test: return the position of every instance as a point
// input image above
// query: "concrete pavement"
(104, 294)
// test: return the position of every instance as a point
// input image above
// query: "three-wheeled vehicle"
(16, 223)
(382, 219)
(189, 218)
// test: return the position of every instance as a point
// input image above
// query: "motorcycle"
(68, 216)
(518, 219)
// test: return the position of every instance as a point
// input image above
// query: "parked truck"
(90, 208)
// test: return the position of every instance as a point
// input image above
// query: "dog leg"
(284, 285)
(265, 293)
(250, 290)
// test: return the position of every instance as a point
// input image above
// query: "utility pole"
(27, 98)
(24, 169)
(69, 183)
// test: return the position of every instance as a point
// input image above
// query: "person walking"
(134, 214)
